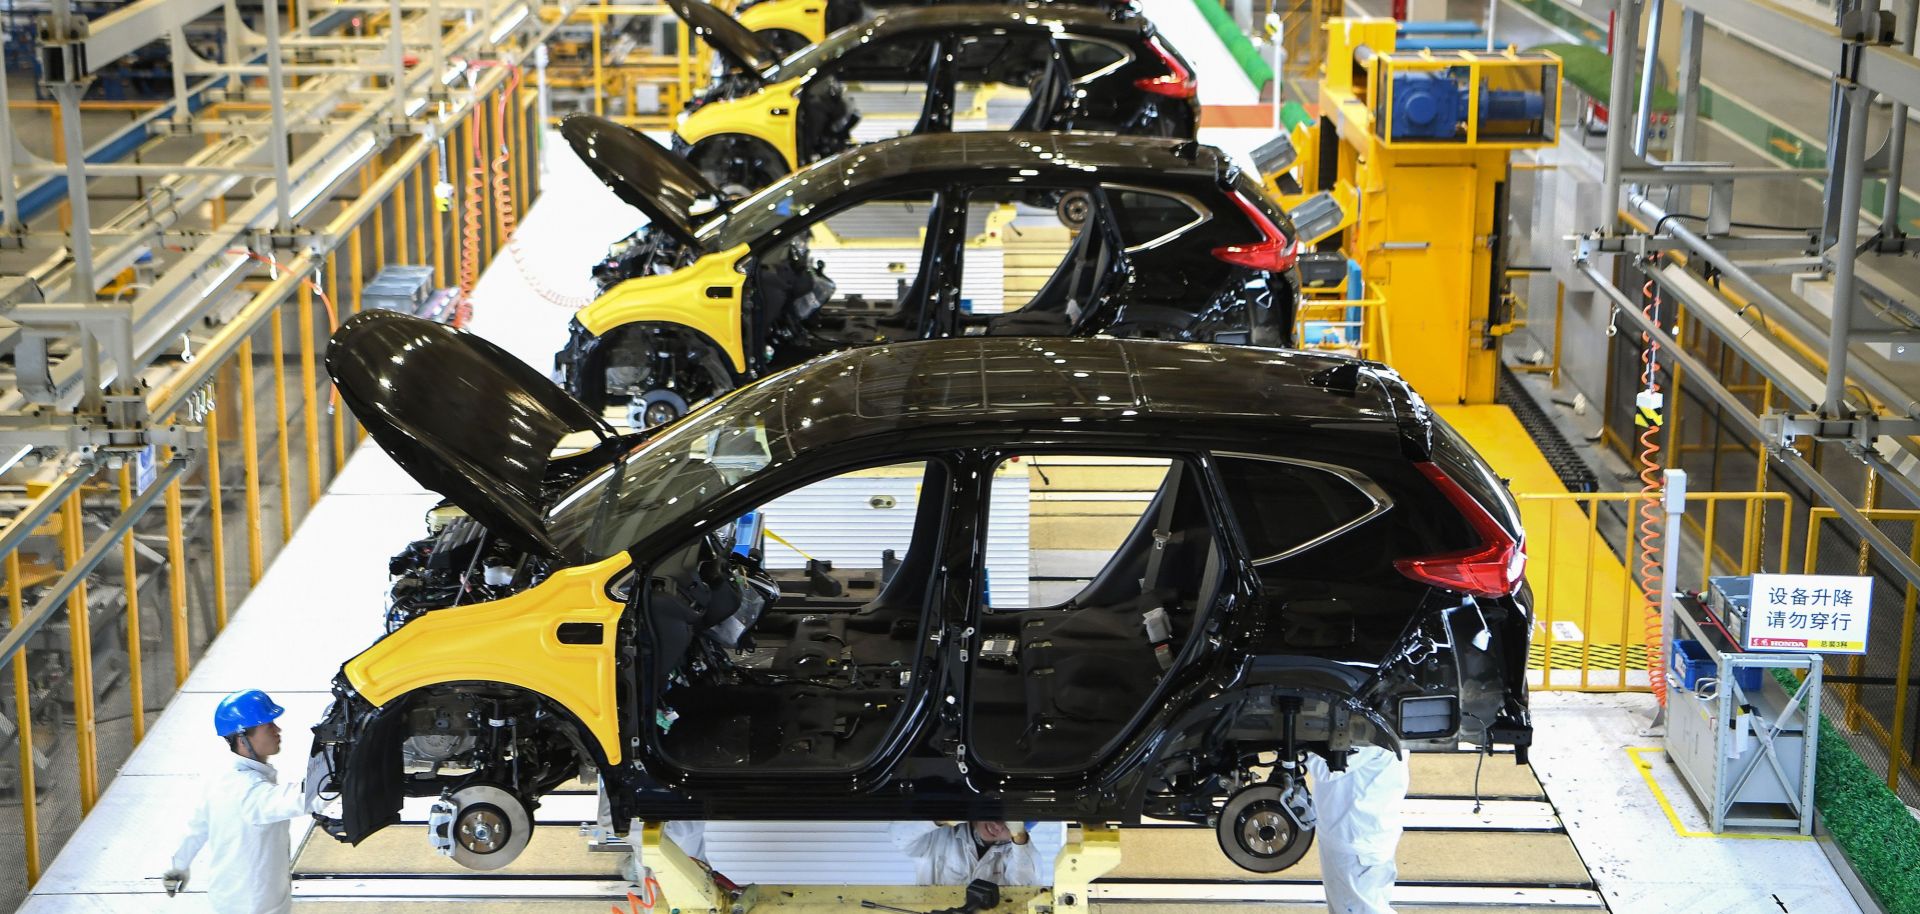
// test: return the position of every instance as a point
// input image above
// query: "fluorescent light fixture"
(453, 72)
(348, 161)
(513, 22)
(414, 105)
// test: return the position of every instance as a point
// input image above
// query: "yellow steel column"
(338, 416)
(250, 462)
(280, 427)
(356, 267)
(216, 514)
(136, 685)
(176, 576)
(80, 646)
(439, 226)
(309, 382)
(599, 86)
(23, 722)
(378, 217)
(422, 190)
(402, 244)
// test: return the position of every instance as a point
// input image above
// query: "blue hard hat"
(243, 710)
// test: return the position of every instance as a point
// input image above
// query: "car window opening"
(1063, 674)
(783, 642)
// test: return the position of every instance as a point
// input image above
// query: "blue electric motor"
(1431, 106)
(1427, 106)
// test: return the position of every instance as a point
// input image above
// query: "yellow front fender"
(513, 641)
(704, 296)
(808, 18)
(770, 115)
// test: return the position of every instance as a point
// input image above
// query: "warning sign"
(1816, 613)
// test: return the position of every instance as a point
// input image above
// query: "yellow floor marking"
(1576, 575)
(1646, 774)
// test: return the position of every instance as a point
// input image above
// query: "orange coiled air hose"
(1652, 488)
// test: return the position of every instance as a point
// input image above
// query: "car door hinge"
(960, 756)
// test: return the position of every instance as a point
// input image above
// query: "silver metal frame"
(1864, 65)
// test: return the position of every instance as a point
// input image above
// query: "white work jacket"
(948, 855)
(242, 821)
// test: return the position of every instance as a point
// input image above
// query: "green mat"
(1868, 822)
(1244, 53)
(1590, 70)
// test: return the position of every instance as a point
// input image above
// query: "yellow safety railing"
(584, 66)
(1887, 730)
(1350, 326)
(391, 220)
(1590, 632)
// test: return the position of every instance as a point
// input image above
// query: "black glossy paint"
(643, 173)
(1172, 290)
(740, 46)
(483, 439)
(964, 404)
(923, 44)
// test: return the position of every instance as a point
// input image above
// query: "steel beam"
(135, 25)
(1626, 30)
(1702, 377)
(1851, 168)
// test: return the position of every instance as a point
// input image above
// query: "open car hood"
(643, 173)
(731, 40)
(462, 416)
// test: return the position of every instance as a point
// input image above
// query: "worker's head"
(246, 721)
(988, 832)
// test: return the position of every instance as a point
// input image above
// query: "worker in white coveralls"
(947, 853)
(1359, 828)
(242, 816)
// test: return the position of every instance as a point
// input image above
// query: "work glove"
(175, 881)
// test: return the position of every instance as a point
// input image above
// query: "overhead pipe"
(1852, 163)
(1702, 377)
(1776, 308)
(1626, 29)
(1897, 136)
(1649, 65)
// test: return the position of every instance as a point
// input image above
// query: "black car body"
(1331, 566)
(1082, 68)
(1173, 241)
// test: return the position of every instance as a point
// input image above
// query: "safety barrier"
(1874, 705)
(1590, 633)
(392, 219)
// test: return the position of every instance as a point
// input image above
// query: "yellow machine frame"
(1430, 255)
(513, 640)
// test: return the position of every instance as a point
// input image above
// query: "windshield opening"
(664, 480)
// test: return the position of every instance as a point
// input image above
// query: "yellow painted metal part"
(1096, 854)
(515, 641)
(769, 114)
(807, 18)
(1424, 211)
(688, 887)
(704, 296)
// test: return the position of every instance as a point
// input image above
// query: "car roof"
(984, 386)
(1031, 16)
(991, 156)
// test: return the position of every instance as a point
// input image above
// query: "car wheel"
(656, 408)
(490, 827)
(1262, 831)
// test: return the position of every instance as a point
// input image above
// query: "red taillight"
(1274, 251)
(1492, 569)
(1178, 81)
